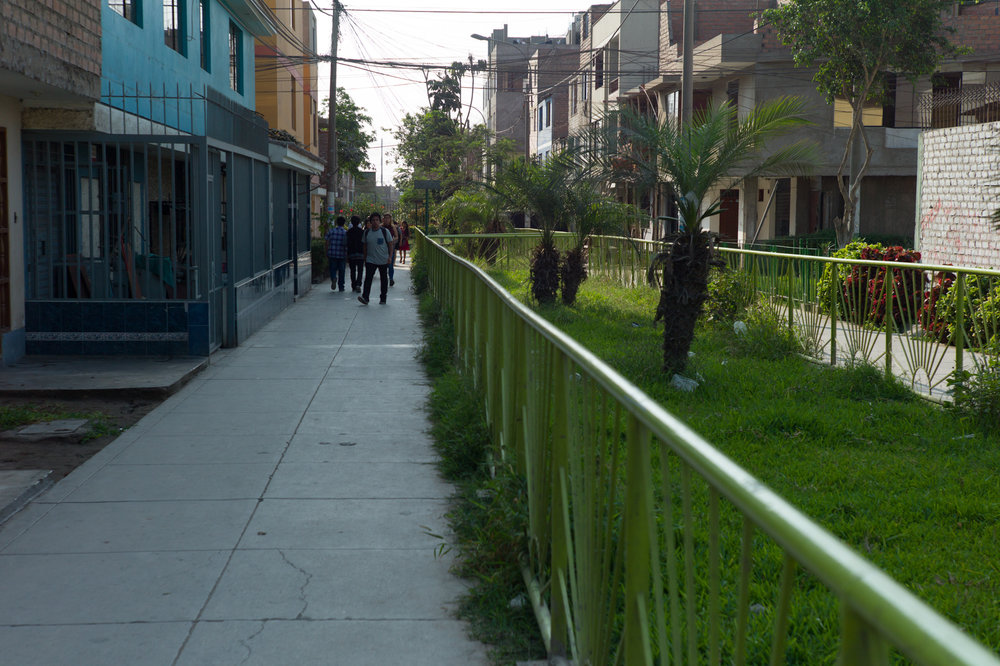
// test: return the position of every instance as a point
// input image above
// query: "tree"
(691, 160)
(853, 45)
(353, 139)
(543, 190)
(445, 93)
(588, 212)
(432, 145)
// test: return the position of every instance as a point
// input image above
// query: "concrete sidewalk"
(276, 510)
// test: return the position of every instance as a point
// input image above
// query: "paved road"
(276, 510)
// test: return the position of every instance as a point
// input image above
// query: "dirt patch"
(63, 454)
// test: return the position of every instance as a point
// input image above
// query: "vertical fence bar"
(560, 528)
(782, 612)
(890, 324)
(834, 313)
(638, 506)
(860, 645)
(959, 321)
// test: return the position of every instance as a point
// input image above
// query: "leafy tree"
(445, 93)
(691, 160)
(353, 137)
(853, 45)
(432, 145)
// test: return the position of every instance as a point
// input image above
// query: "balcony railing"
(966, 105)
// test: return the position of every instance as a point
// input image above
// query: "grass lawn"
(908, 484)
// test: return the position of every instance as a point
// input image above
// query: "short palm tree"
(692, 160)
(588, 212)
(541, 190)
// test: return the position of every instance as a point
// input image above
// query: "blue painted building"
(149, 226)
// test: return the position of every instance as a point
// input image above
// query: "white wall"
(958, 188)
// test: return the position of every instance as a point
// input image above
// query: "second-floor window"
(173, 24)
(599, 69)
(295, 104)
(235, 58)
(126, 8)
(203, 32)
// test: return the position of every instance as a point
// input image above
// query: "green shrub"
(981, 310)
(459, 428)
(321, 267)
(976, 397)
(767, 335)
(419, 274)
(730, 293)
(850, 251)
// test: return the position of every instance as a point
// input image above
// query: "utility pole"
(687, 73)
(331, 145)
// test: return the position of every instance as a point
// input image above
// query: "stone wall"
(958, 192)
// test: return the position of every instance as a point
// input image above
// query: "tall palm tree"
(692, 160)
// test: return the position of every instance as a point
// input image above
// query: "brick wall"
(712, 17)
(977, 27)
(56, 42)
(960, 181)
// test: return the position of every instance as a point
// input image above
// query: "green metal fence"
(920, 322)
(647, 545)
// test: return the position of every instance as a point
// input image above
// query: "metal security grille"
(112, 219)
(964, 105)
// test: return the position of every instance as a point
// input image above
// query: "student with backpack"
(336, 252)
(377, 243)
(356, 253)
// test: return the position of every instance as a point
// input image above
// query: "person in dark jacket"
(356, 253)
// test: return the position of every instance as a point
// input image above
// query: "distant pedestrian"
(356, 253)
(336, 252)
(377, 242)
(404, 240)
(390, 225)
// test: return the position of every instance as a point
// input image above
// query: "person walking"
(388, 223)
(356, 253)
(336, 252)
(404, 240)
(377, 242)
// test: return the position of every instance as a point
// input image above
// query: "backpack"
(388, 239)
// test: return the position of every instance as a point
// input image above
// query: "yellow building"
(287, 84)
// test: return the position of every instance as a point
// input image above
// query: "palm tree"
(692, 160)
(588, 212)
(542, 190)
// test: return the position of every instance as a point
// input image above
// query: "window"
(295, 104)
(126, 8)
(173, 25)
(599, 69)
(292, 8)
(547, 108)
(235, 58)
(874, 114)
(204, 30)
(572, 98)
(585, 87)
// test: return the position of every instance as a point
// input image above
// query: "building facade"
(148, 212)
(37, 80)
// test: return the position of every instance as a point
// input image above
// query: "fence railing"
(648, 545)
(921, 325)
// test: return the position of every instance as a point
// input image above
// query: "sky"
(431, 32)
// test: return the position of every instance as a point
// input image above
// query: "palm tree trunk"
(682, 296)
